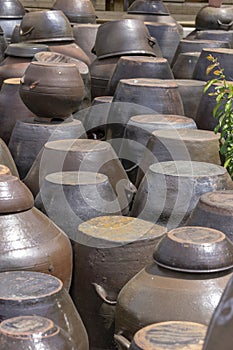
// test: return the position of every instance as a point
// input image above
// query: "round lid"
(171, 335)
(76, 178)
(25, 49)
(117, 230)
(162, 120)
(78, 145)
(14, 195)
(192, 135)
(24, 285)
(195, 249)
(26, 327)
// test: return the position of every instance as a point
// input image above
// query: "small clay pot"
(58, 85)
(81, 11)
(185, 65)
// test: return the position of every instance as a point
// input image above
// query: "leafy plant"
(223, 110)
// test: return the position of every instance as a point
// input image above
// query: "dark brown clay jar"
(52, 90)
(12, 108)
(101, 72)
(185, 64)
(170, 190)
(140, 96)
(108, 251)
(137, 133)
(29, 136)
(148, 7)
(129, 67)
(29, 332)
(26, 293)
(160, 294)
(84, 36)
(81, 155)
(214, 210)
(43, 246)
(6, 158)
(209, 17)
(77, 195)
(70, 49)
(11, 14)
(77, 11)
(224, 57)
(186, 45)
(212, 34)
(167, 36)
(170, 335)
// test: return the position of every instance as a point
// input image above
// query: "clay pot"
(212, 34)
(29, 136)
(53, 57)
(12, 108)
(138, 67)
(43, 295)
(52, 90)
(168, 292)
(43, 26)
(185, 64)
(95, 117)
(167, 36)
(24, 332)
(186, 45)
(84, 36)
(76, 11)
(132, 38)
(214, 210)
(170, 190)
(83, 155)
(103, 247)
(77, 195)
(210, 17)
(39, 237)
(6, 158)
(138, 132)
(101, 72)
(140, 96)
(224, 57)
(174, 335)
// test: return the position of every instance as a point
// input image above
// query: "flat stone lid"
(192, 135)
(74, 178)
(78, 145)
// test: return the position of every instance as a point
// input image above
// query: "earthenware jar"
(170, 190)
(52, 90)
(137, 133)
(29, 332)
(11, 14)
(224, 57)
(12, 108)
(138, 67)
(41, 294)
(186, 45)
(214, 210)
(77, 195)
(209, 17)
(170, 335)
(82, 155)
(103, 247)
(81, 11)
(140, 96)
(70, 49)
(43, 246)
(167, 36)
(6, 158)
(29, 136)
(185, 64)
(212, 34)
(84, 36)
(192, 266)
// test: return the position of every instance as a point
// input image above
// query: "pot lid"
(25, 49)
(195, 250)
(14, 195)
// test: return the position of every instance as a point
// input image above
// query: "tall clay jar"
(28, 239)
(191, 268)
(108, 251)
